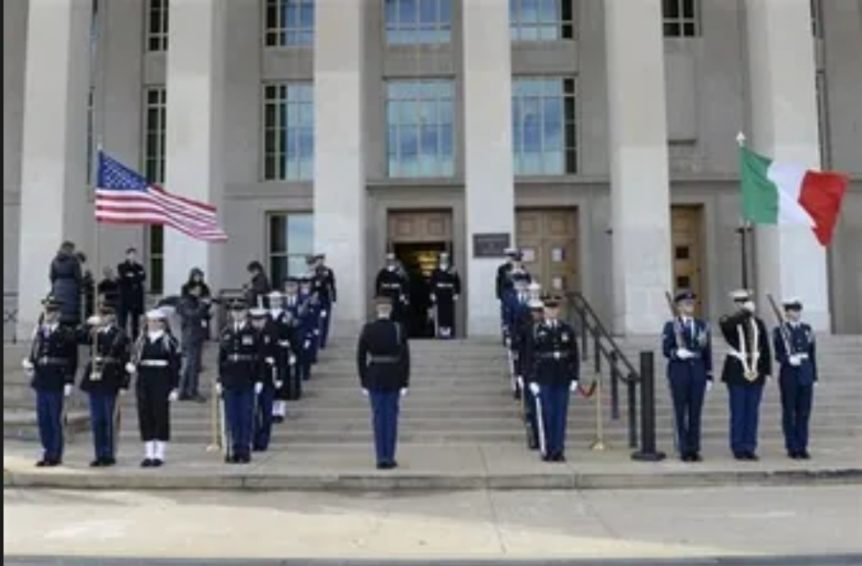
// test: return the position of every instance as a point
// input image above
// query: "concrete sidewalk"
(471, 526)
(425, 467)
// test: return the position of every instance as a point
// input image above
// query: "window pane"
(688, 8)
(300, 234)
(671, 8)
(277, 234)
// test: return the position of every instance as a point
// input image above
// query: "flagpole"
(744, 229)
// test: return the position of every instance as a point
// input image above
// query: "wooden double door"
(548, 238)
(687, 254)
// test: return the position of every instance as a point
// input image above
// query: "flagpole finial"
(740, 139)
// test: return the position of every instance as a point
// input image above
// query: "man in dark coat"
(65, 275)
(794, 350)
(383, 362)
(108, 288)
(746, 368)
(687, 346)
(193, 311)
(258, 285)
(445, 291)
(131, 277)
(391, 282)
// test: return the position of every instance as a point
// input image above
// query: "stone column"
(640, 199)
(54, 188)
(339, 153)
(783, 99)
(195, 129)
(489, 188)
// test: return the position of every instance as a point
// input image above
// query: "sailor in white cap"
(445, 289)
(391, 283)
(156, 365)
(746, 368)
(284, 360)
(794, 350)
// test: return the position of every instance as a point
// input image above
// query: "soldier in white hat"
(445, 291)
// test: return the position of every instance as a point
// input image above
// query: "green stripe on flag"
(759, 194)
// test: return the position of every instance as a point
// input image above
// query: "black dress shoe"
(97, 463)
(804, 455)
(278, 419)
(244, 459)
(685, 457)
(393, 464)
(751, 456)
(740, 456)
(147, 463)
(382, 466)
(560, 458)
(109, 461)
(42, 463)
(547, 458)
(185, 397)
(199, 399)
(158, 463)
(53, 463)
(695, 457)
(793, 455)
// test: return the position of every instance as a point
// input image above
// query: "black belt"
(49, 361)
(241, 358)
(383, 359)
(556, 355)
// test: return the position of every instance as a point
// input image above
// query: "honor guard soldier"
(445, 290)
(687, 346)
(155, 359)
(383, 360)
(517, 315)
(307, 323)
(312, 312)
(51, 364)
(269, 378)
(501, 281)
(293, 315)
(746, 368)
(392, 283)
(794, 350)
(324, 286)
(239, 380)
(526, 365)
(104, 376)
(280, 324)
(514, 298)
(557, 366)
(131, 277)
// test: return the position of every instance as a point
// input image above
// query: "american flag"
(126, 197)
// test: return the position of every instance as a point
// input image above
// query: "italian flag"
(775, 192)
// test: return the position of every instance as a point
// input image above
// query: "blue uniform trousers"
(49, 413)
(555, 409)
(238, 406)
(384, 410)
(687, 390)
(263, 419)
(102, 422)
(796, 400)
(324, 324)
(744, 413)
(530, 422)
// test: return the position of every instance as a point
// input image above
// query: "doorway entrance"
(687, 251)
(417, 237)
(548, 239)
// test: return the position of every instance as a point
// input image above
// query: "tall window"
(419, 128)
(155, 112)
(289, 22)
(288, 131)
(540, 20)
(680, 18)
(157, 25)
(291, 239)
(543, 126)
(418, 21)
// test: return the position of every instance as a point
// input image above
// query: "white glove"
(94, 320)
(795, 360)
(270, 360)
(258, 387)
(365, 392)
(520, 382)
(219, 389)
(173, 395)
(67, 390)
(455, 297)
(534, 388)
(708, 385)
(306, 345)
(292, 360)
(131, 369)
(27, 364)
(508, 342)
(323, 314)
(573, 386)
(684, 354)
(317, 332)
(403, 391)
(433, 298)
(279, 384)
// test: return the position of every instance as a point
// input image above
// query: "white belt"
(153, 363)
(284, 343)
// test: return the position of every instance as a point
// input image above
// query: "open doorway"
(419, 260)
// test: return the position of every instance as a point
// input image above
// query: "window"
(289, 22)
(291, 239)
(157, 25)
(418, 21)
(419, 128)
(680, 19)
(540, 20)
(288, 131)
(155, 112)
(543, 126)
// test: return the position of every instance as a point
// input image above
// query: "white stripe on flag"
(788, 179)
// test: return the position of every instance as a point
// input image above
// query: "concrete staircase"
(459, 395)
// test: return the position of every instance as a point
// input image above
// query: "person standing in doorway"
(131, 277)
(445, 291)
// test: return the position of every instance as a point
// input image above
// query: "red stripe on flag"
(821, 196)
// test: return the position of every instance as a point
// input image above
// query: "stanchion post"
(648, 450)
(615, 388)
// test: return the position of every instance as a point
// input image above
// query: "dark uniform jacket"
(445, 284)
(283, 332)
(383, 356)
(54, 355)
(733, 372)
(522, 343)
(390, 283)
(268, 356)
(109, 352)
(696, 338)
(109, 291)
(554, 354)
(801, 339)
(502, 276)
(323, 284)
(131, 276)
(239, 357)
(158, 363)
(257, 289)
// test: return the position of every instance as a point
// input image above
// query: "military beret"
(741, 295)
(684, 296)
(792, 304)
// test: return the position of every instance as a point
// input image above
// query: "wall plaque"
(490, 245)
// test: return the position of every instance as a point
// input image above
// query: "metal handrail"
(604, 342)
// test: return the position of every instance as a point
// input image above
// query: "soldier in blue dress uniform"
(383, 362)
(295, 317)
(262, 417)
(51, 364)
(309, 326)
(501, 282)
(104, 376)
(279, 323)
(239, 380)
(526, 364)
(324, 286)
(794, 350)
(686, 344)
(517, 315)
(746, 368)
(554, 351)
